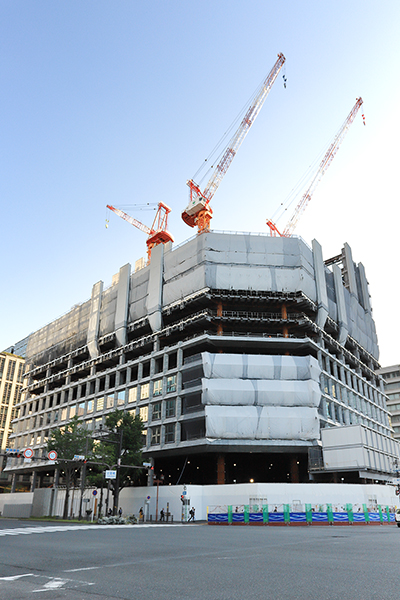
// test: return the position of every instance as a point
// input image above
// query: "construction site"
(250, 358)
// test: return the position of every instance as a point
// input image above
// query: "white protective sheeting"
(261, 423)
(244, 366)
(247, 392)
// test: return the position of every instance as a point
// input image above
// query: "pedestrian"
(141, 514)
(109, 512)
(162, 514)
(191, 513)
(120, 512)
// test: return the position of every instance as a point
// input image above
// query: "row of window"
(353, 400)
(332, 367)
(98, 405)
(391, 375)
(145, 388)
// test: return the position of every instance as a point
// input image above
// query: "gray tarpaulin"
(261, 422)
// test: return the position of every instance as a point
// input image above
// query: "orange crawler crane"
(198, 212)
(157, 233)
(326, 161)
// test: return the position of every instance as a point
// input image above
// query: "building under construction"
(248, 358)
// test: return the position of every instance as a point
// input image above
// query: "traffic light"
(183, 499)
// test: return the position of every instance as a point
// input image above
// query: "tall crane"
(198, 212)
(157, 233)
(326, 161)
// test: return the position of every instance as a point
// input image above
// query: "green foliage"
(70, 440)
(126, 436)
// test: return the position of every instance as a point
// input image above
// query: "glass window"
(144, 391)
(81, 408)
(144, 437)
(72, 411)
(171, 383)
(170, 408)
(110, 401)
(144, 413)
(121, 398)
(157, 387)
(170, 433)
(90, 406)
(156, 411)
(63, 414)
(155, 435)
(100, 403)
(132, 395)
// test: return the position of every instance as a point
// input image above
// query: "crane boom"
(198, 212)
(130, 219)
(158, 233)
(326, 161)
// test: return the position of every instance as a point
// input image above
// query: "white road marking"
(53, 584)
(58, 528)
(15, 577)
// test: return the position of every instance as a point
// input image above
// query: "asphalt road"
(198, 562)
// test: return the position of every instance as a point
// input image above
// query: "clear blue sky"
(120, 102)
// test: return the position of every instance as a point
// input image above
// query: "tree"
(68, 441)
(121, 447)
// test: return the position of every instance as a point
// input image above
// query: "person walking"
(191, 513)
(162, 514)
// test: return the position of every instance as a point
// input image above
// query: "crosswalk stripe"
(51, 529)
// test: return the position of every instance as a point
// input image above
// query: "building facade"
(391, 376)
(11, 377)
(248, 358)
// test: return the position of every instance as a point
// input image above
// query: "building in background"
(19, 348)
(248, 358)
(11, 377)
(391, 376)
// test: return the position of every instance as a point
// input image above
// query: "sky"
(120, 103)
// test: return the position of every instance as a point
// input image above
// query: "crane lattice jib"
(326, 161)
(131, 220)
(241, 133)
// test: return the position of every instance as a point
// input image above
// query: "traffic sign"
(28, 453)
(94, 492)
(111, 474)
(52, 455)
(79, 457)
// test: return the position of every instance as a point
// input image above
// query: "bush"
(131, 520)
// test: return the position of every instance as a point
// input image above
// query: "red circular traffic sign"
(28, 453)
(52, 455)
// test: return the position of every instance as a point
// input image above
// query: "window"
(132, 395)
(170, 408)
(156, 411)
(144, 437)
(170, 433)
(63, 414)
(171, 383)
(72, 411)
(10, 370)
(121, 398)
(100, 404)
(110, 401)
(81, 408)
(155, 435)
(157, 387)
(144, 413)
(90, 406)
(144, 391)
